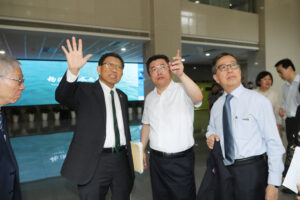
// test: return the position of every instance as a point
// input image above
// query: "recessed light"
(2, 52)
(194, 67)
(207, 54)
(256, 63)
(182, 59)
(123, 49)
(197, 1)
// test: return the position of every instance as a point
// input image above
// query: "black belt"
(171, 155)
(113, 150)
(249, 160)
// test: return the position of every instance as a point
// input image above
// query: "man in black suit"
(99, 156)
(11, 87)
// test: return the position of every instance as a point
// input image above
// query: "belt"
(249, 160)
(113, 150)
(171, 155)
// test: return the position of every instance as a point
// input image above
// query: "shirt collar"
(170, 86)
(237, 91)
(105, 88)
(296, 79)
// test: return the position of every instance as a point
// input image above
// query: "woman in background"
(264, 81)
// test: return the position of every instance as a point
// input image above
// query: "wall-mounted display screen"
(42, 78)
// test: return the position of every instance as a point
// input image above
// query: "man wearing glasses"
(168, 124)
(244, 123)
(99, 156)
(11, 87)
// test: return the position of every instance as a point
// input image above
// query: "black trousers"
(249, 180)
(292, 125)
(112, 172)
(173, 178)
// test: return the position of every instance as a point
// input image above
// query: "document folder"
(137, 156)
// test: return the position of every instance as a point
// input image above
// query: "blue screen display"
(42, 78)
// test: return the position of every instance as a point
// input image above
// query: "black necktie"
(227, 130)
(117, 134)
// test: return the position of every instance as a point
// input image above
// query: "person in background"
(287, 72)
(244, 123)
(216, 92)
(264, 81)
(99, 157)
(168, 124)
(250, 85)
(11, 87)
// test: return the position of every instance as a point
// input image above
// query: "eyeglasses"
(112, 66)
(161, 67)
(225, 67)
(21, 81)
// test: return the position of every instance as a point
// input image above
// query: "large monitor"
(42, 78)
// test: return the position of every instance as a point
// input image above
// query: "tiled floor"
(58, 188)
(40, 158)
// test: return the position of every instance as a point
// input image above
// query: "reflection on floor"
(41, 156)
(58, 188)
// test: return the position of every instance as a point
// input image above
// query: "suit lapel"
(99, 94)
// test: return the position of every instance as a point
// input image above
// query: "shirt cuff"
(71, 77)
(197, 105)
(275, 179)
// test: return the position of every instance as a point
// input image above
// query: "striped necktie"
(227, 131)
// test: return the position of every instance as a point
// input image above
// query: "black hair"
(155, 57)
(285, 64)
(104, 56)
(262, 75)
(215, 60)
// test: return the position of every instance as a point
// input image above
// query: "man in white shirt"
(168, 123)
(286, 71)
(244, 123)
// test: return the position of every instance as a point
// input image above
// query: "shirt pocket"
(244, 126)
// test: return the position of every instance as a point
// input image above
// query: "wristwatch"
(276, 186)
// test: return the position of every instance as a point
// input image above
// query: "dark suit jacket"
(9, 171)
(90, 132)
(217, 183)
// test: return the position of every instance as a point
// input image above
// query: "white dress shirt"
(170, 116)
(275, 101)
(110, 133)
(254, 129)
(289, 96)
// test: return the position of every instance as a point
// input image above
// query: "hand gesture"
(176, 66)
(74, 56)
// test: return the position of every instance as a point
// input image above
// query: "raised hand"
(74, 55)
(176, 66)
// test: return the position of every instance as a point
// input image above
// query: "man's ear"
(216, 78)
(98, 70)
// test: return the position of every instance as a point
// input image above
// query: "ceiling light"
(194, 67)
(256, 63)
(207, 54)
(182, 59)
(2, 52)
(123, 49)
(197, 1)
